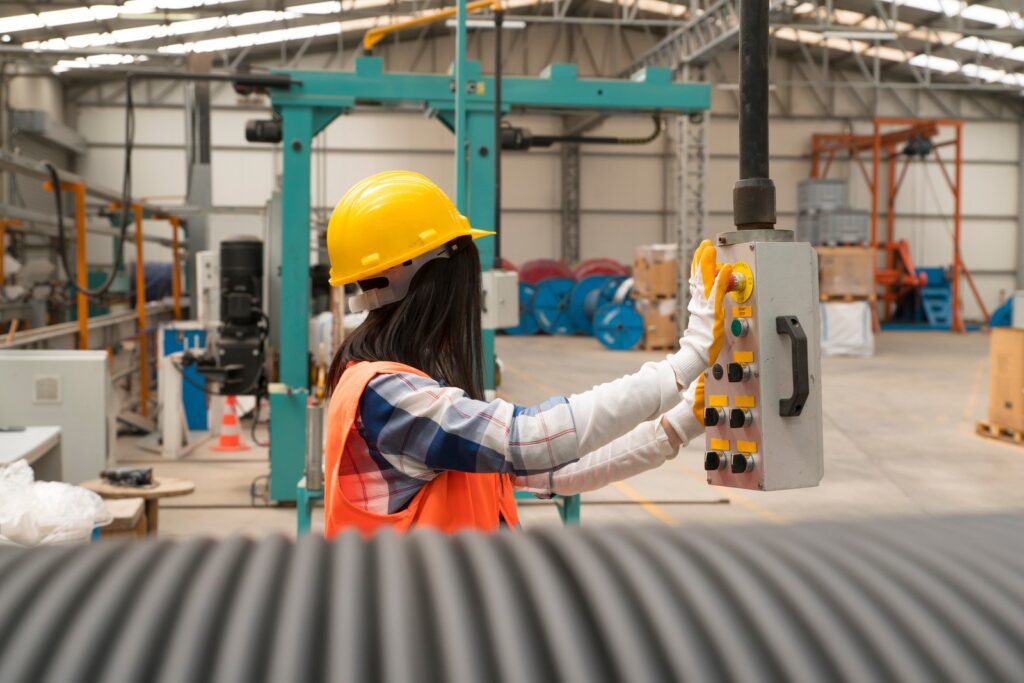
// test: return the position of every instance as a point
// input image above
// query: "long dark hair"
(435, 328)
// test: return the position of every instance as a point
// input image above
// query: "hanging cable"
(126, 193)
(521, 138)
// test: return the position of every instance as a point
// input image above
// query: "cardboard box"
(659, 315)
(1006, 379)
(655, 271)
(846, 271)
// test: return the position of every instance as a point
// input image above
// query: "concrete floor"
(899, 440)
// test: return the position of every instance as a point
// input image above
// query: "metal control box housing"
(501, 300)
(781, 440)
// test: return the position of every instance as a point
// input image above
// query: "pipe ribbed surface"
(912, 600)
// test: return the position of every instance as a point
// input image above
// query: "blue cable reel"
(527, 320)
(590, 294)
(552, 303)
(618, 326)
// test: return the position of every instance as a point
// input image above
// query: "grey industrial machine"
(763, 396)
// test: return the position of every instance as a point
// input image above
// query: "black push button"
(713, 461)
(736, 373)
(711, 417)
(738, 417)
(717, 371)
(740, 463)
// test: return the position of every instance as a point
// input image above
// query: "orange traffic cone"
(230, 433)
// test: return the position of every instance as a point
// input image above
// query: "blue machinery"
(313, 99)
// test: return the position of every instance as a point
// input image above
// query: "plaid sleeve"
(420, 426)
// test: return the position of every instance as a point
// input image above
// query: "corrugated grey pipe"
(910, 600)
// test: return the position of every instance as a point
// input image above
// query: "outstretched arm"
(646, 447)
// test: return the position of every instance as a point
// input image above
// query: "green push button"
(739, 327)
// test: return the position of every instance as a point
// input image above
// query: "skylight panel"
(987, 15)
(21, 22)
(996, 48)
(941, 64)
(981, 72)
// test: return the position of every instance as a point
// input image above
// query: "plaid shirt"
(413, 428)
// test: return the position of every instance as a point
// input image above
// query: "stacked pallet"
(655, 272)
(846, 284)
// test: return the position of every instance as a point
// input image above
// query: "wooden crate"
(846, 271)
(655, 271)
(1006, 379)
(660, 331)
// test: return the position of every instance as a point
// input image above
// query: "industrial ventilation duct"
(925, 600)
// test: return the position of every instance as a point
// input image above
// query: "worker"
(411, 441)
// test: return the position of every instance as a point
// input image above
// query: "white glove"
(705, 334)
(646, 447)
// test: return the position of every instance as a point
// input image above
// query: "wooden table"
(163, 487)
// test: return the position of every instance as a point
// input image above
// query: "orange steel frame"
(81, 278)
(824, 149)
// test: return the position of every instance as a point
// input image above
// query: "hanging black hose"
(521, 138)
(126, 194)
(499, 18)
(877, 601)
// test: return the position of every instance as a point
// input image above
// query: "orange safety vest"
(449, 502)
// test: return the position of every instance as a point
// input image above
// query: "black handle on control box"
(790, 326)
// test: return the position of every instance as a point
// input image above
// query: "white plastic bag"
(45, 512)
(846, 329)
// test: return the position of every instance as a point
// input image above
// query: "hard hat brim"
(338, 281)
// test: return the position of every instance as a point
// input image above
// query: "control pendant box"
(763, 394)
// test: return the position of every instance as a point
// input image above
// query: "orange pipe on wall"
(140, 313)
(176, 274)
(81, 267)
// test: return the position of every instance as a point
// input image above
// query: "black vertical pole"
(754, 193)
(499, 17)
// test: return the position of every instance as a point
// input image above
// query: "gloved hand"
(698, 399)
(704, 336)
(687, 418)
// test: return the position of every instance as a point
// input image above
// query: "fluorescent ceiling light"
(514, 24)
(655, 6)
(153, 31)
(95, 60)
(332, 7)
(861, 35)
(94, 13)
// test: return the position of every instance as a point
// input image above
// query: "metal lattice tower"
(570, 202)
(690, 189)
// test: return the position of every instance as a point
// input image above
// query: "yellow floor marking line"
(733, 496)
(532, 381)
(652, 508)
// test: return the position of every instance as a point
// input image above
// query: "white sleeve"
(610, 410)
(644, 448)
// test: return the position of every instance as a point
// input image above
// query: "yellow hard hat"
(388, 219)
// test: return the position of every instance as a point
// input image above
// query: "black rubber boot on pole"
(753, 196)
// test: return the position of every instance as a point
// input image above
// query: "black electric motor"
(242, 332)
(236, 362)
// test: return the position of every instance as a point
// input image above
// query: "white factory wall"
(624, 195)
